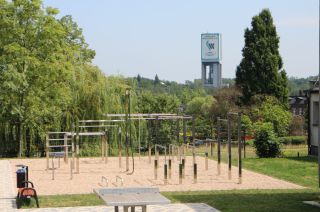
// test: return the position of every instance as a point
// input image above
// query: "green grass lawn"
(250, 200)
(234, 200)
(300, 170)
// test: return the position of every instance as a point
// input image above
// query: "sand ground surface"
(91, 171)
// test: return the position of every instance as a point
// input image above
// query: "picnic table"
(131, 197)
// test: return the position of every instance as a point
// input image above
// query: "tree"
(275, 113)
(156, 80)
(260, 70)
(201, 109)
(139, 78)
(38, 58)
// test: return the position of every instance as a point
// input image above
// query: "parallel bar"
(229, 148)
(56, 132)
(55, 146)
(66, 148)
(141, 114)
(239, 148)
(219, 146)
(47, 151)
(97, 126)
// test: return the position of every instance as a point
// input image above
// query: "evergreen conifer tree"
(260, 70)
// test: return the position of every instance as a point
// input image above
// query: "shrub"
(294, 140)
(266, 142)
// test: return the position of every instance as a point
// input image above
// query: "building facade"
(298, 105)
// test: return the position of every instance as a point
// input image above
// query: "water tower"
(211, 60)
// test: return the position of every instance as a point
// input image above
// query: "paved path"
(191, 207)
(7, 193)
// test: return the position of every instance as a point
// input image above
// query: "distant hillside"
(299, 84)
(160, 86)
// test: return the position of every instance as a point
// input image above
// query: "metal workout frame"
(74, 137)
(152, 116)
(228, 120)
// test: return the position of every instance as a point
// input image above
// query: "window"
(315, 113)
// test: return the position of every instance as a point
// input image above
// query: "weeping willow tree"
(47, 81)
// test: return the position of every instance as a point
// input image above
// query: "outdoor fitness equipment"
(229, 144)
(156, 162)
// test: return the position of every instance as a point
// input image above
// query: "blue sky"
(163, 37)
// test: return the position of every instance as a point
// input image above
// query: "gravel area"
(92, 170)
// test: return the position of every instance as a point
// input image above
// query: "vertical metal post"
(193, 129)
(180, 173)
(120, 148)
(47, 151)
(139, 140)
(239, 149)
(127, 129)
(169, 168)
(157, 130)
(244, 143)
(149, 151)
(165, 173)
(193, 155)
(65, 143)
(52, 164)
(219, 147)
(184, 131)
(183, 168)
(229, 147)
(195, 173)
(155, 169)
(206, 161)
(71, 167)
(73, 146)
(106, 146)
(178, 131)
(77, 148)
(102, 138)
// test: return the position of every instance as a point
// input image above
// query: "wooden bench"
(131, 197)
(26, 193)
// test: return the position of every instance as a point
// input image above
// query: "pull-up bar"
(141, 114)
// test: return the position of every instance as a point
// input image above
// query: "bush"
(250, 142)
(266, 142)
(294, 140)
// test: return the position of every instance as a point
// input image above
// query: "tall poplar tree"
(260, 71)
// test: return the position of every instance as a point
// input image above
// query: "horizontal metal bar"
(141, 114)
(59, 146)
(99, 121)
(141, 118)
(56, 132)
(87, 134)
(56, 139)
(97, 126)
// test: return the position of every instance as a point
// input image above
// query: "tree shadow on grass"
(310, 159)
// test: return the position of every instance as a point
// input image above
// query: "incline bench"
(131, 197)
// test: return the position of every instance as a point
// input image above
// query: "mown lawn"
(251, 200)
(234, 200)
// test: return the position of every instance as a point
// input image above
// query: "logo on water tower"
(210, 45)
